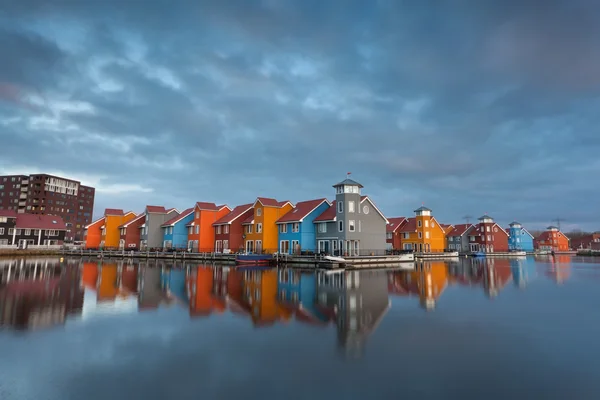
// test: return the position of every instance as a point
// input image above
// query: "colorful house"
(200, 283)
(297, 291)
(175, 231)
(432, 281)
(201, 233)
(497, 272)
(93, 233)
(261, 233)
(113, 219)
(297, 228)
(588, 242)
(353, 226)
(393, 236)
(519, 239)
(151, 234)
(260, 296)
(229, 229)
(552, 240)
(487, 236)
(423, 233)
(458, 239)
(130, 233)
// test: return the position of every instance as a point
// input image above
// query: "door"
(219, 246)
(296, 246)
(284, 247)
(122, 244)
(259, 247)
(249, 246)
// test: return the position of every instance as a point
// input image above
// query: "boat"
(478, 254)
(335, 259)
(253, 259)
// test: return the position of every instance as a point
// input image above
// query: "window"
(427, 235)
(419, 223)
(487, 228)
(350, 206)
(426, 224)
(432, 224)
(351, 227)
(18, 232)
(27, 232)
(197, 229)
(225, 244)
(258, 212)
(249, 229)
(389, 235)
(296, 227)
(197, 214)
(259, 228)
(218, 229)
(3, 219)
(340, 207)
(341, 226)
(225, 230)
(420, 235)
(1, 231)
(489, 238)
(359, 226)
(283, 228)
(405, 235)
(322, 227)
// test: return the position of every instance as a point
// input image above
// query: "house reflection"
(296, 292)
(522, 271)
(151, 295)
(199, 288)
(259, 297)
(559, 269)
(497, 273)
(39, 293)
(107, 282)
(427, 282)
(173, 283)
(357, 301)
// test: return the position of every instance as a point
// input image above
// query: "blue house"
(519, 239)
(175, 232)
(298, 290)
(173, 283)
(297, 232)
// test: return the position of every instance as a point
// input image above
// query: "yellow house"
(260, 231)
(423, 233)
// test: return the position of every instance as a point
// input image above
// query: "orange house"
(423, 233)
(89, 275)
(261, 231)
(111, 233)
(201, 233)
(552, 240)
(199, 288)
(433, 279)
(93, 234)
(107, 287)
(260, 296)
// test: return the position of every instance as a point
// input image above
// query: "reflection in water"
(43, 292)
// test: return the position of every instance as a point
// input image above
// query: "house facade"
(229, 230)
(552, 240)
(261, 233)
(393, 236)
(201, 233)
(353, 226)
(8, 224)
(519, 239)
(110, 233)
(92, 235)
(296, 229)
(151, 234)
(586, 242)
(423, 233)
(31, 229)
(458, 239)
(130, 232)
(175, 230)
(487, 236)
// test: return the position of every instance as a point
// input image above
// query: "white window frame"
(351, 226)
(427, 235)
(294, 244)
(218, 229)
(340, 207)
(197, 229)
(351, 208)
(258, 212)
(259, 227)
(27, 232)
(226, 229)
(322, 228)
(283, 228)
(296, 227)
(226, 244)
(426, 224)
(249, 228)
(340, 226)
(420, 235)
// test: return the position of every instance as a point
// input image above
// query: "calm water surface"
(472, 328)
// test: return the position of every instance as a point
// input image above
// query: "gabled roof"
(202, 205)
(460, 229)
(302, 210)
(268, 202)
(348, 182)
(527, 232)
(233, 215)
(140, 216)
(248, 220)
(327, 215)
(170, 210)
(8, 213)
(395, 223)
(113, 211)
(362, 200)
(156, 209)
(36, 221)
(99, 220)
(176, 219)
(447, 227)
(409, 226)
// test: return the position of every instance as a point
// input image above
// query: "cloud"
(467, 108)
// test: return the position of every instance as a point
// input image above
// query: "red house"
(586, 242)
(487, 236)
(229, 230)
(393, 236)
(130, 233)
(552, 240)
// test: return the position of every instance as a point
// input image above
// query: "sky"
(467, 107)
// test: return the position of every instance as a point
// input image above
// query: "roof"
(447, 227)
(101, 219)
(514, 223)
(484, 216)
(233, 215)
(140, 216)
(35, 221)
(113, 211)
(526, 231)
(409, 226)
(423, 208)
(551, 227)
(327, 215)
(460, 229)
(302, 210)
(8, 213)
(179, 217)
(202, 205)
(268, 202)
(395, 223)
(363, 198)
(156, 209)
(348, 182)
(249, 219)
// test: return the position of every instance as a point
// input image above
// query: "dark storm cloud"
(466, 107)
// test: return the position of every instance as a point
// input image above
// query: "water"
(493, 329)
